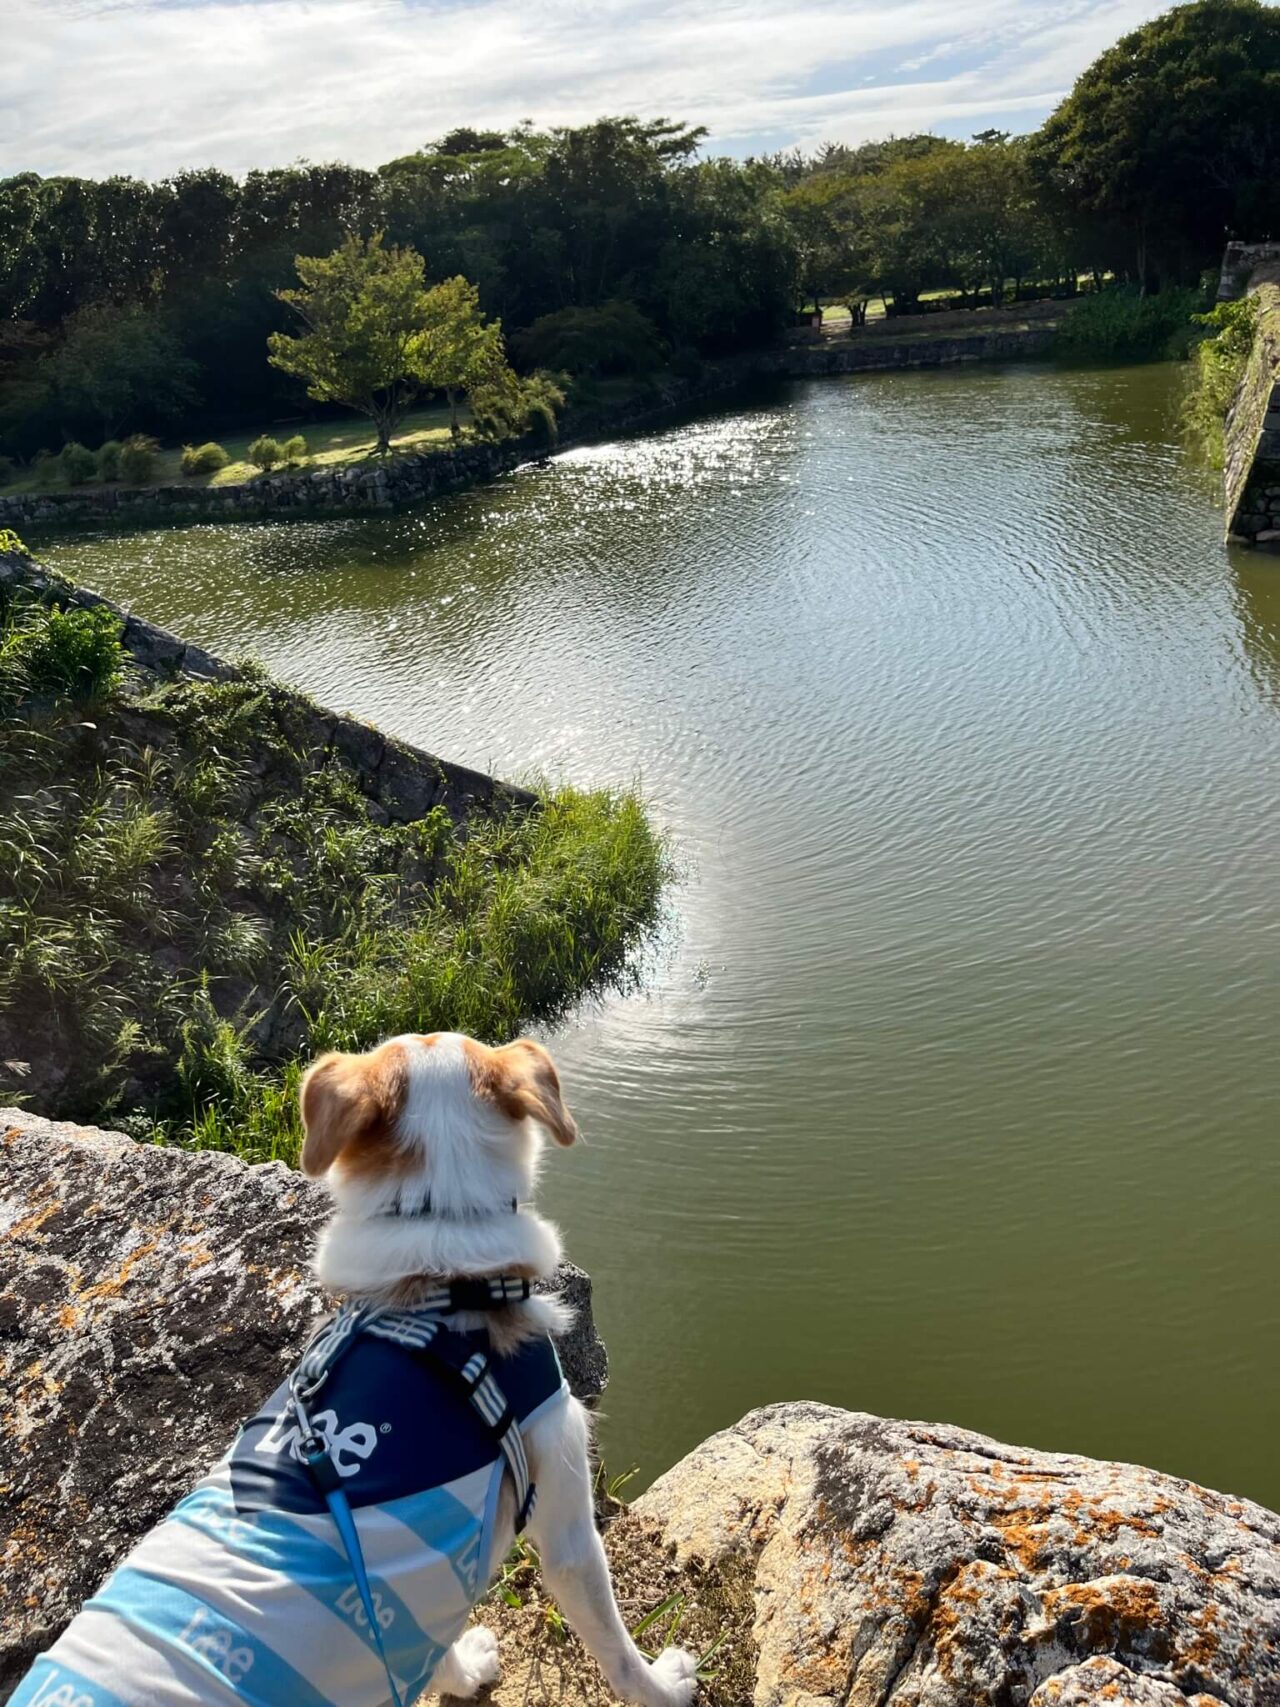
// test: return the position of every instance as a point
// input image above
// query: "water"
(954, 1094)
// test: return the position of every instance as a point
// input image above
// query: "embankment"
(208, 877)
(405, 480)
(400, 782)
(1251, 437)
(150, 1298)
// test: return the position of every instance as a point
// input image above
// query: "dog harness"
(332, 1556)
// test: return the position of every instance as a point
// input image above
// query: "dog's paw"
(676, 1672)
(471, 1664)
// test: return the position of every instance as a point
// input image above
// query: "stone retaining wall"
(401, 481)
(402, 783)
(1251, 465)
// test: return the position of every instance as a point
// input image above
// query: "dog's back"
(243, 1593)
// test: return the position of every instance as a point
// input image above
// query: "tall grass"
(192, 902)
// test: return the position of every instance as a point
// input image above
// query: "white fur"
(473, 1161)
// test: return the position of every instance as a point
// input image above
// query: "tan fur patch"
(350, 1105)
(521, 1080)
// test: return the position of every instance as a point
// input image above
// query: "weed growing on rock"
(1218, 367)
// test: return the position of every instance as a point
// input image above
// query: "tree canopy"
(1171, 139)
(625, 228)
(376, 334)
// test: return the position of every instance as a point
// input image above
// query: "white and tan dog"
(451, 1120)
(389, 1455)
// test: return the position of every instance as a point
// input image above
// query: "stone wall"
(346, 489)
(919, 350)
(1251, 465)
(149, 1300)
(402, 782)
(1239, 261)
(407, 479)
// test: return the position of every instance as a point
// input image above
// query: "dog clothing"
(244, 1593)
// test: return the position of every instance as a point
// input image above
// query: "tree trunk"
(452, 395)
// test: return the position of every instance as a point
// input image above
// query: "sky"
(151, 86)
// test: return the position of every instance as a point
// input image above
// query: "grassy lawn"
(328, 442)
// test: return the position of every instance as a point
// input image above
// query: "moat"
(952, 1091)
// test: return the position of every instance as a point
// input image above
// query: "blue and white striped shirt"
(243, 1593)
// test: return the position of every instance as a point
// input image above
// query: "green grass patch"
(328, 442)
(194, 900)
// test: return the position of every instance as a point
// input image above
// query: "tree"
(377, 335)
(368, 313)
(1173, 136)
(117, 368)
(460, 350)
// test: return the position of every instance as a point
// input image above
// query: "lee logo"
(350, 1605)
(51, 1693)
(348, 1447)
(218, 1646)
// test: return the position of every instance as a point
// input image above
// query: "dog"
(431, 1412)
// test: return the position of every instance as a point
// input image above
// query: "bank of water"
(954, 1093)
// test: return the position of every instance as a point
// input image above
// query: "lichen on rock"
(905, 1563)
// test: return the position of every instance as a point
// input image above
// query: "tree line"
(613, 247)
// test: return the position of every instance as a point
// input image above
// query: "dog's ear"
(349, 1098)
(533, 1089)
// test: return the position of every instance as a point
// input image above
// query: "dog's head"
(440, 1118)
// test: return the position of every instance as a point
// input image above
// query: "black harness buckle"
(470, 1292)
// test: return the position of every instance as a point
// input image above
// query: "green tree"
(460, 351)
(1173, 136)
(368, 315)
(377, 335)
(114, 368)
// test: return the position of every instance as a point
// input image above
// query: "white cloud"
(148, 86)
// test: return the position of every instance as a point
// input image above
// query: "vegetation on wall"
(1219, 365)
(193, 899)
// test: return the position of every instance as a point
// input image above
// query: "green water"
(953, 1093)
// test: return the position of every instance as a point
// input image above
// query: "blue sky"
(150, 86)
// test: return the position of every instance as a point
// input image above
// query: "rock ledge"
(925, 1566)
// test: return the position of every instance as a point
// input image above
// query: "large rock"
(902, 1563)
(149, 1298)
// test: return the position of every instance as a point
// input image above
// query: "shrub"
(1121, 324)
(265, 452)
(109, 459)
(1219, 365)
(295, 449)
(203, 459)
(77, 464)
(7, 468)
(45, 468)
(138, 459)
(71, 654)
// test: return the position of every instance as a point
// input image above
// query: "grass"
(193, 900)
(328, 443)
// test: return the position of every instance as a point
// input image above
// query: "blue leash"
(416, 1332)
(316, 1456)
